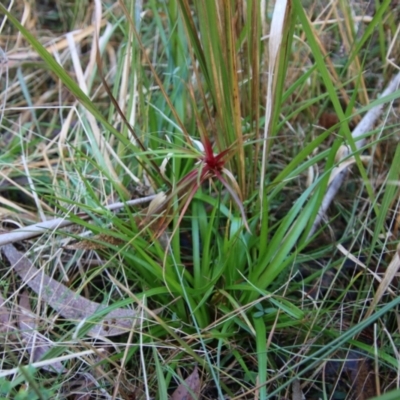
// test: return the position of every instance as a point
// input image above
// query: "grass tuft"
(199, 200)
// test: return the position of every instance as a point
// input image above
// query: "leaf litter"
(190, 388)
(37, 344)
(66, 302)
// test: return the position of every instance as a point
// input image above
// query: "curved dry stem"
(365, 125)
(38, 229)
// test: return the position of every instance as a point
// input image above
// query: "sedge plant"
(186, 119)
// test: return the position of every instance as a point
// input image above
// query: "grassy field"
(199, 200)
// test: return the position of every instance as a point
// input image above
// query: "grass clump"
(234, 276)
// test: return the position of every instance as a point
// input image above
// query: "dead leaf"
(389, 275)
(297, 392)
(191, 386)
(6, 322)
(354, 373)
(156, 203)
(66, 302)
(343, 166)
(37, 344)
(277, 44)
(91, 244)
(327, 120)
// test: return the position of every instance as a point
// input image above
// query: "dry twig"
(57, 223)
(365, 125)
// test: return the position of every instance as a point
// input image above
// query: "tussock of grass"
(253, 265)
